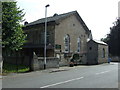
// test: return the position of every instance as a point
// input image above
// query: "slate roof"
(58, 17)
(49, 19)
(97, 41)
(100, 42)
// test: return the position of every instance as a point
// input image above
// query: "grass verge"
(10, 68)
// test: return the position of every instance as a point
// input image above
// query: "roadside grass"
(11, 68)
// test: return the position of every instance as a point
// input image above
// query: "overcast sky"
(98, 15)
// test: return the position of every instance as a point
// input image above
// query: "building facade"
(67, 35)
(97, 52)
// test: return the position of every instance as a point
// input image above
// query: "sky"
(98, 15)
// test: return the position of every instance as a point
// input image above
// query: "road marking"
(102, 72)
(61, 82)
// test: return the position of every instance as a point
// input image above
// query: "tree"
(106, 39)
(113, 39)
(13, 36)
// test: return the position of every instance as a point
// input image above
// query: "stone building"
(67, 34)
(97, 52)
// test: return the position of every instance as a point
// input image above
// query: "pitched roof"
(58, 17)
(100, 42)
(97, 41)
(49, 19)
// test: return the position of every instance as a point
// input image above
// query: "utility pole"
(45, 35)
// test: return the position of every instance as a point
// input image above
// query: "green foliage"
(106, 39)
(113, 39)
(114, 42)
(13, 36)
(10, 68)
(76, 56)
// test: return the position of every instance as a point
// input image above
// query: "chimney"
(25, 23)
(55, 15)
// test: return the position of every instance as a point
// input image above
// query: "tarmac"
(51, 70)
(48, 70)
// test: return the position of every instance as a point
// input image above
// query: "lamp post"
(45, 35)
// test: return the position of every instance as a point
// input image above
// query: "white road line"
(102, 72)
(61, 82)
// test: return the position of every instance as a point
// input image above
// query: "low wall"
(38, 62)
(115, 59)
(102, 60)
(51, 62)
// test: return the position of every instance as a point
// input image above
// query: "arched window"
(79, 44)
(67, 43)
(103, 53)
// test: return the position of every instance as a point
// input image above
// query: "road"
(95, 76)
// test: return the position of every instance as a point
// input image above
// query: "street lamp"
(45, 35)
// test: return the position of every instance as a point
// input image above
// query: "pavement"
(66, 68)
(83, 76)
(48, 70)
(52, 70)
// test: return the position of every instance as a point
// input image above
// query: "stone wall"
(64, 61)
(92, 55)
(102, 59)
(83, 58)
(71, 26)
(95, 53)
(38, 62)
(115, 58)
(74, 29)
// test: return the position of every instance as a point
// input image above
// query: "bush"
(11, 68)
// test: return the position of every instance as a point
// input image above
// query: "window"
(67, 43)
(79, 44)
(90, 48)
(57, 46)
(103, 53)
(73, 24)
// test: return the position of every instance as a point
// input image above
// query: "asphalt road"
(96, 76)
